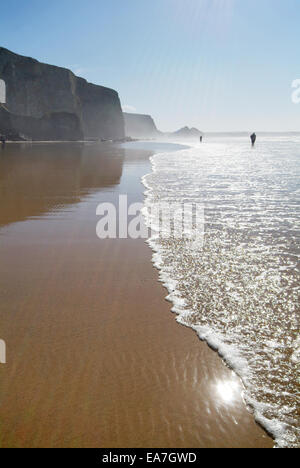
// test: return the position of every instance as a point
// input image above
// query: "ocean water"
(239, 289)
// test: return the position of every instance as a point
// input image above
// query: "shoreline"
(160, 188)
(95, 357)
(205, 334)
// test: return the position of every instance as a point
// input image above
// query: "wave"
(239, 291)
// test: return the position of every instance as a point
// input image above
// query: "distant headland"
(143, 126)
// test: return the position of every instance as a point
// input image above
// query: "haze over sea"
(240, 292)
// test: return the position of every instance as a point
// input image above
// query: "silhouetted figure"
(253, 139)
(3, 141)
(201, 139)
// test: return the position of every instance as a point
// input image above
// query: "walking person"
(253, 139)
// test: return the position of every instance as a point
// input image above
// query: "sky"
(218, 65)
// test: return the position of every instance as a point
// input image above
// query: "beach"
(95, 357)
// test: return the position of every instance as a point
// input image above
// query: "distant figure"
(201, 139)
(253, 139)
(3, 141)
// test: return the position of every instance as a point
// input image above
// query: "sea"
(238, 287)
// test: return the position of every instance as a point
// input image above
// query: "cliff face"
(140, 126)
(71, 106)
(54, 126)
(100, 111)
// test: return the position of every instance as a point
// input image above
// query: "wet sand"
(95, 358)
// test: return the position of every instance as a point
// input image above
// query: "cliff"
(54, 126)
(45, 101)
(143, 126)
(140, 126)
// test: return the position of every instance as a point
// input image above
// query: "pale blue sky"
(219, 65)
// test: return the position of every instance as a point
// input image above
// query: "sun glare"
(227, 390)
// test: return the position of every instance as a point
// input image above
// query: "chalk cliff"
(48, 102)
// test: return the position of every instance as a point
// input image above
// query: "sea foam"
(240, 291)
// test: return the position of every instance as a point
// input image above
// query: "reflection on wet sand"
(94, 356)
(35, 179)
